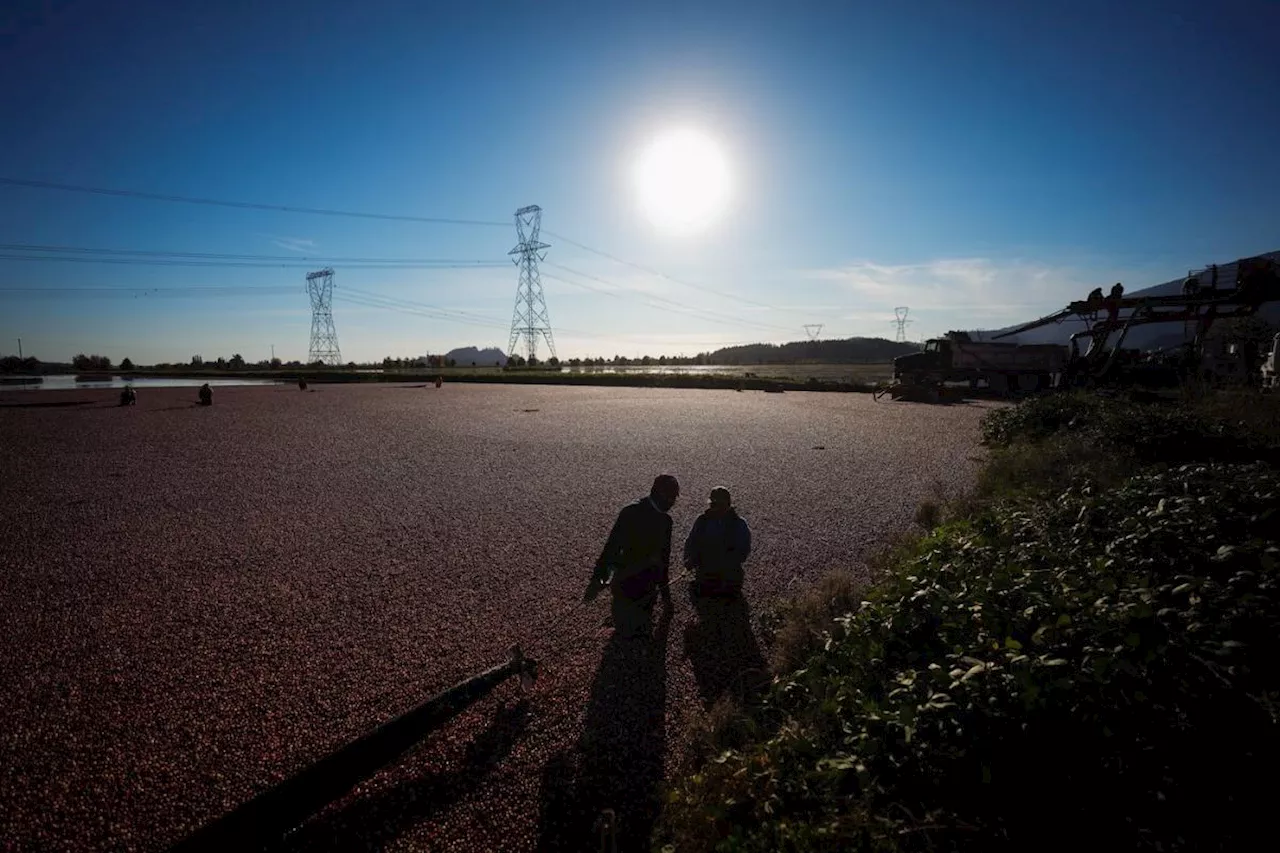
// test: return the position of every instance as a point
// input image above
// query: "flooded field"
(197, 602)
(70, 382)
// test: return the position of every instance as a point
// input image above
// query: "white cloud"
(975, 291)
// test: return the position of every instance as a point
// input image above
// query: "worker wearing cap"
(717, 546)
(635, 562)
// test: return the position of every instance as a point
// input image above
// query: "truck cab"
(934, 358)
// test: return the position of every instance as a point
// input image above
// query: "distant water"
(68, 382)
(693, 369)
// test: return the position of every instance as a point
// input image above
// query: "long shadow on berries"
(618, 762)
(370, 823)
(722, 649)
(56, 404)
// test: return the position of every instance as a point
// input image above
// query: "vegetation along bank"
(1080, 653)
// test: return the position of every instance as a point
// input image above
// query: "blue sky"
(978, 162)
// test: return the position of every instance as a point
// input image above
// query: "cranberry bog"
(200, 601)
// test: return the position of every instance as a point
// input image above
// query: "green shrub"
(1093, 669)
(1147, 432)
(796, 629)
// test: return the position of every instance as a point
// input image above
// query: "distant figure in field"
(128, 397)
(206, 395)
(716, 548)
(439, 381)
(636, 561)
(302, 384)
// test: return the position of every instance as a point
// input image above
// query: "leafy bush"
(1148, 432)
(795, 630)
(1097, 668)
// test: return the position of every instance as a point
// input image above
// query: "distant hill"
(488, 357)
(842, 351)
(1153, 336)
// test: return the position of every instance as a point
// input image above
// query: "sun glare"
(682, 180)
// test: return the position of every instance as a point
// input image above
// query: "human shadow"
(617, 763)
(372, 822)
(722, 649)
(55, 404)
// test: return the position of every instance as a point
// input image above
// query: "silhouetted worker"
(1117, 291)
(1254, 278)
(1095, 296)
(717, 546)
(128, 397)
(206, 395)
(636, 561)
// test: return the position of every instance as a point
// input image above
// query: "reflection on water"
(68, 382)
(660, 368)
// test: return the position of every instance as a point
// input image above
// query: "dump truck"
(1000, 367)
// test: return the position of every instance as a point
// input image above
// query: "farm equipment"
(1223, 363)
(1096, 355)
(1108, 320)
(1002, 368)
(1271, 367)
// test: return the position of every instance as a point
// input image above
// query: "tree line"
(842, 351)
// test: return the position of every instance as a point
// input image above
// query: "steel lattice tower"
(529, 319)
(813, 330)
(901, 321)
(324, 338)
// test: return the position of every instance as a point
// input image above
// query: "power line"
(153, 291)
(660, 274)
(119, 193)
(68, 254)
(151, 257)
(423, 305)
(17, 182)
(373, 300)
(707, 313)
(408, 306)
(734, 322)
(153, 253)
(623, 295)
(193, 262)
(366, 302)
(244, 205)
(377, 300)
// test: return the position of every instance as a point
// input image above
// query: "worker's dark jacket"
(717, 546)
(638, 553)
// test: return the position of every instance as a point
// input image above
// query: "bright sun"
(683, 181)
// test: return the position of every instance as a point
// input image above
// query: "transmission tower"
(324, 338)
(529, 320)
(813, 330)
(900, 320)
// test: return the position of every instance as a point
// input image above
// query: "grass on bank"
(1080, 654)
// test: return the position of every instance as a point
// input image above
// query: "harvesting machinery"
(1096, 355)
(1097, 352)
